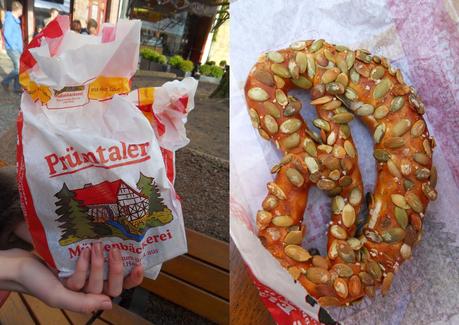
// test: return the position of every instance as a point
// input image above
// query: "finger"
(77, 280)
(115, 273)
(96, 276)
(22, 231)
(134, 278)
(81, 302)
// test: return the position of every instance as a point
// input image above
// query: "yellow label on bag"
(146, 96)
(105, 87)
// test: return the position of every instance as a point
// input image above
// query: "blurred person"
(92, 27)
(12, 34)
(38, 29)
(53, 13)
(76, 26)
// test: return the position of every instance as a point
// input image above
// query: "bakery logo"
(115, 156)
(111, 209)
(69, 90)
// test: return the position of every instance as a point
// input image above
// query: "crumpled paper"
(420, 38)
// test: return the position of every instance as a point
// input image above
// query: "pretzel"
(343, 84)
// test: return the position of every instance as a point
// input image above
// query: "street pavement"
(9, 102)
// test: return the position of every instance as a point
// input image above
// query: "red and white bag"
(96, 160)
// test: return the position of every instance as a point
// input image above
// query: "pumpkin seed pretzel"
(343, 84)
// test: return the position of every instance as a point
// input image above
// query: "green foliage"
(211, 71)
(222, 63)
(176, 61)
(210, 62)
(152, 55)
(187, 66)
(145, 185)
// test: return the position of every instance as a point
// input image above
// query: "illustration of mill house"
(113, 201)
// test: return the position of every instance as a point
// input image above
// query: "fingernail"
(106, 305)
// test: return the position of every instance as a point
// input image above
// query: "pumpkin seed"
(281, 97)
(421, 158)
(362, 69)
(312, 165)
(341, 63)
(272, 109)
(263, 219)
(355, 197)
(380, 130)
(405, 167)
(311, 65)
(340, 286)
(329, 55)
(377, 72)
(399, 76)
(402, 217)
(291, 141)
(295, 272)
(345, 181)
(320, 262)
(393, 169)
(366, 278)
(291, 125)
(295, 177)
(400, 90)
(270, 202)
(433, 176)
(373, 236)
(401, 127)
(346, 164)
(385, 63)
(326, 184)
(280, 83)
(405, 251)
(297, 253)
(355, 243)
(275, 57)
(332, 105)
(381, 155)
(418, 128)
(422, 173)
(382, 88)
(344, 131)
(263, 134)
(264, 77)
(400, 201)
(321, 124)
(338, 232)
(387, 281)
(337, 204)
(414, 202)
(328, 301)
(394, 142)
(333, 250)
(334, 88)
(355, 286)
(293, 69)
(275, 190)
(381, 112)
(355, 77)
(350, 59)
(374, 270)
(254, 118)
(429, 191)
(348, 216)
(280, 70)
(365, 110)
(427, 147)
(343, 270)
(396, 103)
(351, 94)
(362, 56)
(298, 46)
(393, 235)
(407, 184)
(349, 148)
(314, 136)
(342, 118)
(346, 252)
(301, 61)
(322, 100)
(318, 275)
(257, 94)
(341, 48)
(282, 221)
(316, 45)
(331, 138)
(270, 124)
(310, 147)
(294, 237)
(302, 82)
(330, 75)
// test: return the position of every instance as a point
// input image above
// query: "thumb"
(81, 302)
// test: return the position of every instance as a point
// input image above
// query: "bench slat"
(119, 315)
(43, 313)
(14, 312)
(208, 249)
(82, 319)
(189, 297)
(199, 274)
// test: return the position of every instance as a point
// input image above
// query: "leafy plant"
(187, 66)
(152, 55)
(176, 61)
(211, 70)
(222, 63)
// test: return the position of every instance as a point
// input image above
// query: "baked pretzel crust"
(343, 84)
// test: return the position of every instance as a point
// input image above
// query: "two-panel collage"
(188, 162)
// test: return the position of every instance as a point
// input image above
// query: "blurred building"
(169, 26)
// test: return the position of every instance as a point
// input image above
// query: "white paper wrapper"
(256, 27)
